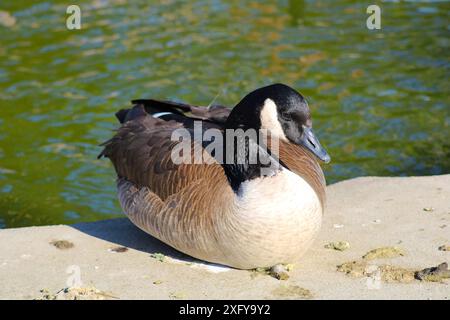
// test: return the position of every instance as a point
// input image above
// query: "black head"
(283, 112)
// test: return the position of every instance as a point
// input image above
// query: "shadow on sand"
(123, 233)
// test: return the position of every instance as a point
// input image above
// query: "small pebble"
(433, 274)
(279, 272)
(158, 256)
(338, 245)
(62, 244)
(428, 209)
(338, 226)
(384, 253)
(118, 249)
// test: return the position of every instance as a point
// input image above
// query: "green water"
(379, 98)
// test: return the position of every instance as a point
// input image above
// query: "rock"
(384, 253)
(434, 274)
(338, 245)
(62, 244)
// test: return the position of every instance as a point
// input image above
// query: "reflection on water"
(296, 10)
(379, 98)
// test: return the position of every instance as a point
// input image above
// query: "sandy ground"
(411, 214)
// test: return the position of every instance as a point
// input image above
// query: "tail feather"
(124, 115)
(214, 115)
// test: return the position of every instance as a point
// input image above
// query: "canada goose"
(227, 213)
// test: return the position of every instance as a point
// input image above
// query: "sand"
(397, 224)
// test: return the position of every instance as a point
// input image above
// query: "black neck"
(246, 161)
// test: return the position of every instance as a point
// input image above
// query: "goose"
(241, 214)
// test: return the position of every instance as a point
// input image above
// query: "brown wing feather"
(185, 220)
(171, 202)
(141, 153)
(215, 113)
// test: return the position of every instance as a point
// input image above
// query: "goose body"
(223, 213)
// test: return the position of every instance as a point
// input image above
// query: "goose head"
(283, 112)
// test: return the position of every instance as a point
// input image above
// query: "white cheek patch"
(269, 119)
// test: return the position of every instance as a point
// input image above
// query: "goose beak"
(310, 142)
